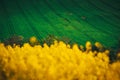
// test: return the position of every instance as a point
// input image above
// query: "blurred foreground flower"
(56, 62)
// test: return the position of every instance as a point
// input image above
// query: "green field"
(77, 20)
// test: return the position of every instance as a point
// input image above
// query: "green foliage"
(16, 39)
(51, 38)
(19, 40)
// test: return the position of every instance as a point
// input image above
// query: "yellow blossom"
(57, 62)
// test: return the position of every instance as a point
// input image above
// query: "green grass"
(77, 20)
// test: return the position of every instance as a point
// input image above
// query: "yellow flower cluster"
(33, 41)
(57, 62)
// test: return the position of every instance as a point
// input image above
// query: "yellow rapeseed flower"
(56, 62)
(88, 46)
(33, 40)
